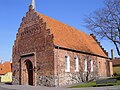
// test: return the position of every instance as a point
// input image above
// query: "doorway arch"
(29, 67)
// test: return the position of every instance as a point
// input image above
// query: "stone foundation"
(15, 81)
(72, 78)
(46, 81)
(69, 78)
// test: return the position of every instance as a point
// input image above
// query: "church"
(47, 52)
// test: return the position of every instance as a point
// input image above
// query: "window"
(91, 64)
(76, 64)
(85, 65)
(67, 64)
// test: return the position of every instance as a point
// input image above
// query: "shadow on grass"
(116, 77)
(93, 83)
(84, 86)
(8, 83)
(103, 85)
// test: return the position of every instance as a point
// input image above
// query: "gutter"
(78, 51)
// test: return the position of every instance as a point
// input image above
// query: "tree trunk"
(118, 51)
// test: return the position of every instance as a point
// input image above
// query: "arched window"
(76, 64)
(67, 64)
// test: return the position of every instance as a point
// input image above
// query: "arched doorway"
(29, 68)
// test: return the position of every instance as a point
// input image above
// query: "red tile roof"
(5, 67)
(69, 37)
(116, 61)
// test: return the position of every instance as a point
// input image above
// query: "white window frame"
(85, 65)
(91, 65)
(76, 64)
(67, 64)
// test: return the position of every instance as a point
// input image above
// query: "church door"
(29, 68)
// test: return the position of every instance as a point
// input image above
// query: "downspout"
(58, 67)
(97, 62)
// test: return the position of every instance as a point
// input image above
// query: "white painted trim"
(91, 65)
(67, 68)
(76, 60)
(85, 65)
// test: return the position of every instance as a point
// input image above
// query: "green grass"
(118, 82)
(93, 83)
(116, 77)
(89, 84)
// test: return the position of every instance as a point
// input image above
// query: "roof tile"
(69, 37)
(5, 67)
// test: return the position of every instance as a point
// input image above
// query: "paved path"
(1, 88)
(27, 87)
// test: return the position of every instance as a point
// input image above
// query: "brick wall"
(67, 78)
(33, 37)
(104, 67)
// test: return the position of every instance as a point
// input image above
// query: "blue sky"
(71, 12)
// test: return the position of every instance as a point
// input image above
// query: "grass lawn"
(93, 83)
(89, 84)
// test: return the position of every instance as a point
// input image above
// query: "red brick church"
(47, 52)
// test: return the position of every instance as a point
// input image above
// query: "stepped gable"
(71, 38)
(99, 44)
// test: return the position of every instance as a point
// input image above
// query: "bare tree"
(105, 22)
